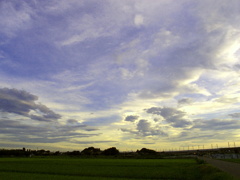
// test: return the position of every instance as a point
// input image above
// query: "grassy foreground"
(106, 169)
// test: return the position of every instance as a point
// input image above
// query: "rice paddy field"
(106, 169)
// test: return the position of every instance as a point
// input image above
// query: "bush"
(200, 161)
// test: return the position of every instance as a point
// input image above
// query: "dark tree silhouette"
(146, 151)
(111, 151)
(91, 151)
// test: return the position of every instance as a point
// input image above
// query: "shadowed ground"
(229, 167)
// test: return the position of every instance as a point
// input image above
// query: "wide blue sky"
(126, 73)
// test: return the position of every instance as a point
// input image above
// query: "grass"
(106, 169)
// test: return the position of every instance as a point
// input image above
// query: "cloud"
(235, 115)
(15, 101)
(138, 20)
(144, 128)
(23, 103)
(74, 123)
(100, 121)
(129, 131)
(131, 118)
(48, 114)
(173, 116)
(17, 130)
(227, 100)
(216, 124)
(93, 142)
(185, 101)
(60, 6)
(14, 17)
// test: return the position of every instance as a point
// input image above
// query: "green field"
(109, 169)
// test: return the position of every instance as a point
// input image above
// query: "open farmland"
(72, 168)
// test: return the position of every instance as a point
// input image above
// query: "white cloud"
(61, 6)
(138, 20)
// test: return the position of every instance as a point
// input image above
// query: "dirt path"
(229, 167)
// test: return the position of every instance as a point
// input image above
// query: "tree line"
(113, 151)
(90, 151)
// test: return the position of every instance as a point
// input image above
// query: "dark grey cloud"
(93, 142)
(17, 94)
(15, 127)
(27, 139)
(48, 114)
(187, 135)
(38, 118)
(91, 129)
(129, 131)
(185, 101)
(22, 106)
(74, 123)
(173, 116)
(145, 128)
(148, 143)
(157, 119)
(46, 133)
(15, 101)
(22, 102)
(216, 124)
(131, 118)
(72, 128)
(235, 115)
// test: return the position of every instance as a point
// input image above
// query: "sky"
(159, 74)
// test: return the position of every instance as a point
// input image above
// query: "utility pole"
(228, 145)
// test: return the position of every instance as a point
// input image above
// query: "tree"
(74, 153)
(146, 151)
(111, 151)
(91, 151)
